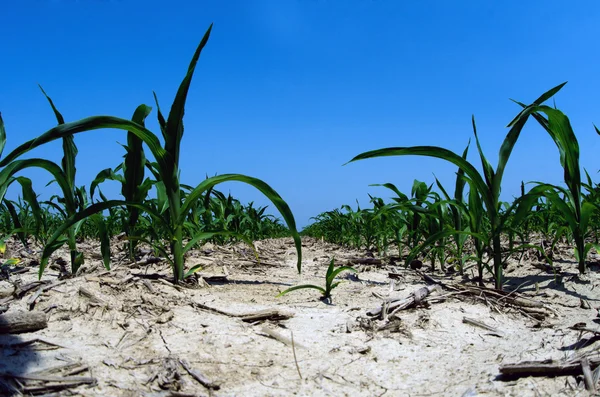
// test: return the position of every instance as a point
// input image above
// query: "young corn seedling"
(570, 202)
(488, 184)
(64, 176)
(330, 276)
(172, 210)
(134, 187)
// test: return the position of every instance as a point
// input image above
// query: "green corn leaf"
(56, 207)
(331, 288)
(304, 286)
(54, 243)
(94, 123)
(133, 188)
(549, 94)
(12, 261)
(436, 152)
(161, 119)
(98, 221)
(18, 227)
(543, 98)
(155, 245)
(206, 236)
(265, 189)
(105, 174)
(192, 270)
(15, 166)
(59, 118)
(442, 189)
(329, 270)
(589, 246)
(161, 196)
(587, 210)
(135, 160)
(31, 198)
(561, 132)
(174, 126)
(69, 147)
(460, 181)
(340, 269)
(488, 170)
(2, 135)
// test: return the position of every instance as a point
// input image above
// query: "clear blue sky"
(289, 90)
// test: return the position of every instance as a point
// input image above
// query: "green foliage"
(330, 276)
(163, 222)
(487, 184)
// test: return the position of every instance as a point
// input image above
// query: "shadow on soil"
(16, 356)
(580, 344)
(559, 282)
(248, 282)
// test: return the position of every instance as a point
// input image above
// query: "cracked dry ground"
(129, 332)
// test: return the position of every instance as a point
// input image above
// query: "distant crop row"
(442, 224)
(174, 222)
(469, 227)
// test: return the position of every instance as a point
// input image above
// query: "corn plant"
(166, 170)
(64, 175)
(570, 201)
(134, 187)
(330, 276)
(23, 217)
(488, 184)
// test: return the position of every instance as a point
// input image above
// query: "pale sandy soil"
(131, 340)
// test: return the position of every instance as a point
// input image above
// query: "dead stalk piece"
(88, 294)
(395, 305)
(277, 336)
(199, 377)
(479, 324)
(548, 367)
(587, 375)
(147, 284)
(269, 314)
(14, 323)
(261, 315)
(295, 358)
(40, 291)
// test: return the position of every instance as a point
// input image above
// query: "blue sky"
(289, 90)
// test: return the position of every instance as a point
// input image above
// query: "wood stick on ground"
(177, 287)
(14, 323)
(279, 337)
(364, 261)
(147, 284)
(583, 327)
(79, 379)
(48, 387)
(547, 368)
(414, 299)
(40, 291)
(479, 324)
(198, 376)
(23, 289)
(69, 368)
(267, 314)
(587, 375)
(295, 358)
(88, 294)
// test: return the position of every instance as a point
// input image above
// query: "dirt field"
(128, 332)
